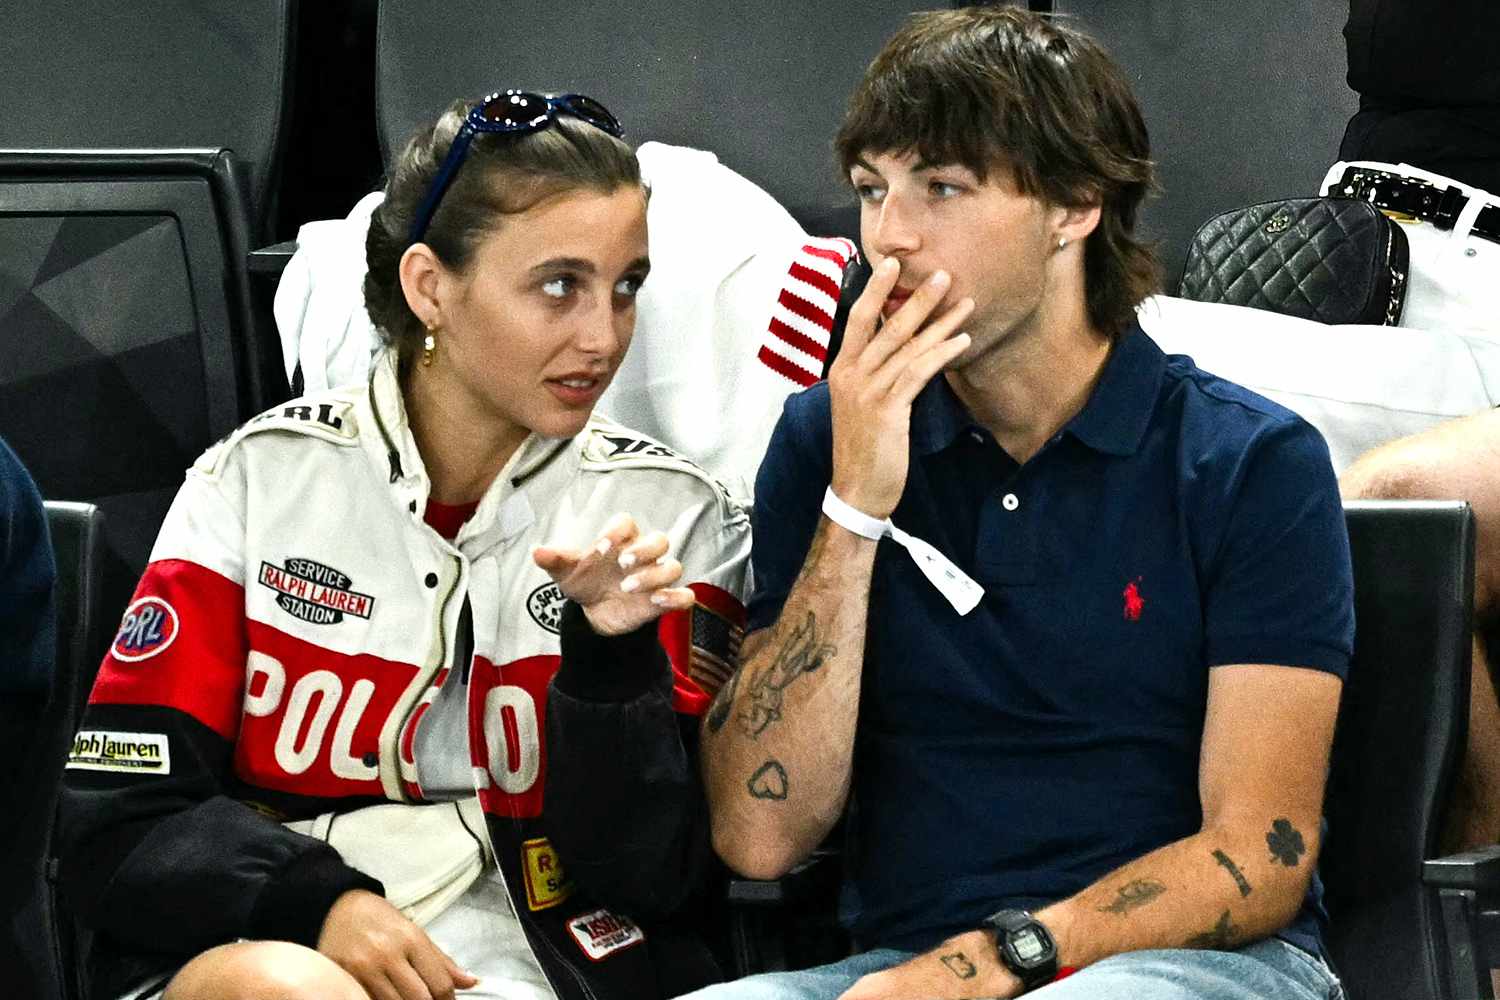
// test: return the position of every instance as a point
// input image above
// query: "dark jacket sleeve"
(624, 804)
(171, 863)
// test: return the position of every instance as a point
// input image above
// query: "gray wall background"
(1246, 102)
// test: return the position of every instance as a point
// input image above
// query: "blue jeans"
(1267, 969)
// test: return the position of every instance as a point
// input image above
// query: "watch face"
(1027, 945)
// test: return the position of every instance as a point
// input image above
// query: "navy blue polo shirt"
(1018, 754)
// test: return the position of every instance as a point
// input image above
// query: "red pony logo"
(1134, 602)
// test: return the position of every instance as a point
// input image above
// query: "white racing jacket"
(295, 621)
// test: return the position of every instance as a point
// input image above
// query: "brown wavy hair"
(1001, 87)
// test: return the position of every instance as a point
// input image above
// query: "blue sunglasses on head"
(516, 112)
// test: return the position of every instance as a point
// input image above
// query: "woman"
(348, 632)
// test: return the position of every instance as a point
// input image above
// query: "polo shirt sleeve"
(1281, 589)
(797, 468)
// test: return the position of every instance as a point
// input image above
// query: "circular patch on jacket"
(149, 626)
(546, 605)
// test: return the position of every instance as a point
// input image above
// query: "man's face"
(993, 240)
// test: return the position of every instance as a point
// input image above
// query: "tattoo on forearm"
(1234, 872)
(800, 654)
(959, 964)
(768, 782)
(1221, 937)
(723, 704)
(1286, 844)
(1137, 892)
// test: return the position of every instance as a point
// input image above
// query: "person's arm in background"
(28, 636)
(33, 699)
(778, 741)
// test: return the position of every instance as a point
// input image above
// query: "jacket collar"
(532, 477)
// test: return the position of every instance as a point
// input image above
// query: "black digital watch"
(1025, 947)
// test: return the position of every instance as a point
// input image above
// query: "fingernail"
(630, 584)
(658, 599)
(602, 546)
(889, 264)
(627, 560)
(939, 277)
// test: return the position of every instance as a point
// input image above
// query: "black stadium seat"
(34, 735)
(95, 74)
(137, 147)
(764, 91)
(125, 329)
(1402, 724)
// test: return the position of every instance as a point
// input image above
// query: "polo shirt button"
(1010, 501)
(431, 580)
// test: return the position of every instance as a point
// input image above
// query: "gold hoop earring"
(429, 346)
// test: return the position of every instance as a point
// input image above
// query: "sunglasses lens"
(514, 110)
(594, 113)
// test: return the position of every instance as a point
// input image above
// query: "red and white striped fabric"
(796, 344)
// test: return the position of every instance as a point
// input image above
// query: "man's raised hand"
(878, 372)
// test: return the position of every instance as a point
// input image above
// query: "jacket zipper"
(558, 957)
(442, 617)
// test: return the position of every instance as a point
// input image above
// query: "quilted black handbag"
(1334, 260)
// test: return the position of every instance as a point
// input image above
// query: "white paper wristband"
(853, 518)
(953, 583)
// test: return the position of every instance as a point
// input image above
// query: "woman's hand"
(622, 581)
(389, 955)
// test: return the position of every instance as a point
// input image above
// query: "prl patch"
(315, 593)
(602, 933)
(150, 625)
(547, 884)
(132, 753)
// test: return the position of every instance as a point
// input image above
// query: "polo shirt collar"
(1113, 420)
(938, 418)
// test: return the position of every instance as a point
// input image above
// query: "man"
(1113, 759)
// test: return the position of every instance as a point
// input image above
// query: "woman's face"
(534, 330)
